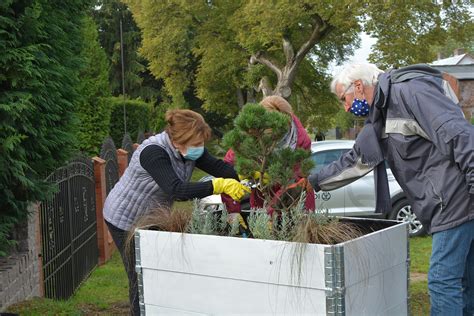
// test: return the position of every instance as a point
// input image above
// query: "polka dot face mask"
(359, 107)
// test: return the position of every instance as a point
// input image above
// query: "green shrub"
(138, 116)
(257, 142)
(94, 110)
(40, 44)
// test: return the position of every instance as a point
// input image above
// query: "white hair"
(368, 73)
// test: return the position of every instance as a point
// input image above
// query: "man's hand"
(302, 183)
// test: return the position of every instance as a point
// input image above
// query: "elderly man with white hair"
(414, 122)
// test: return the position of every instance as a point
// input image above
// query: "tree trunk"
(286, 74)
(240, 98)
(265, 87)
(251, 96)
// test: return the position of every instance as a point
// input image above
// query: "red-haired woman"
(158, 174)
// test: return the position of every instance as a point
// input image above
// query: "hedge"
(138, 117)
(40, 44)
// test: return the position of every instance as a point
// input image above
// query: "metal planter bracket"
(334, 280)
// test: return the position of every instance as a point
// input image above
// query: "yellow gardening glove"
(237, 217)
(266, 177)
(241, 177)
(231, 187)
(243, 228)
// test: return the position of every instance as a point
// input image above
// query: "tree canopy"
(224, 50)
(233, 52)
(94, 109)
(40, 44)
(138, 81)
(410, 32)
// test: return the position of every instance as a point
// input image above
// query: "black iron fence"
(68, 229)
(127, 144)
(108, 152)
(68, 221)
(140, 137)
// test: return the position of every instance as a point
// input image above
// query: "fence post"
(122, 159)
(104, 241)
(39, 247)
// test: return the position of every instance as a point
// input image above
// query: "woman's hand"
(231, 187)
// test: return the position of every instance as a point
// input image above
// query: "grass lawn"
(420, 252)
(104, 293)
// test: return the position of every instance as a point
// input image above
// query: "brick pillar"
(135, 146)
(104, 242)
(122, 159)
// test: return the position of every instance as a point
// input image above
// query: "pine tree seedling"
(257, 142)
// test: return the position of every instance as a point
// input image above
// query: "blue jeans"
(451, 275)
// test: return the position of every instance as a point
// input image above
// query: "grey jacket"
(427, 143)
(137, 192)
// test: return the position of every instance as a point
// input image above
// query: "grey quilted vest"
(137, 192)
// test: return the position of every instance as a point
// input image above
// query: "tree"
(94, 110)
(245, 49)
(421, 28)
(257, 142)
(40, 46)
(447, 49)
(139, 116)
(239, 47)
(138, 80)
(344, 120)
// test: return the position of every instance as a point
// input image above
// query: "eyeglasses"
(342, 98)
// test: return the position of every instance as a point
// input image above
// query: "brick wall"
(20, 272)
(466, 88)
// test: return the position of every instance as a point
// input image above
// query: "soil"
(119, 308)
(416, 276)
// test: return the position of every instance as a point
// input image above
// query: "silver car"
(356, 199)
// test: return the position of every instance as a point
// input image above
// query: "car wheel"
(402, 212)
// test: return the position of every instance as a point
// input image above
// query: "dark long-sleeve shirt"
(156, 161)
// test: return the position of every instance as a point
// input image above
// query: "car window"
(323, 158)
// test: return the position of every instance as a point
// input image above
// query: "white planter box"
(185, 274)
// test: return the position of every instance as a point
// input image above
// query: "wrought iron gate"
(140, 137)
(127, 144)
(68, 229)
(108, 152)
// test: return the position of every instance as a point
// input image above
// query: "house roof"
(454, 60)
(460, 72)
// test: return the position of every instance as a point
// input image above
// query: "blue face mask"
(193, 153)
(359, 107)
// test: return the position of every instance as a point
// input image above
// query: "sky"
(360, 55)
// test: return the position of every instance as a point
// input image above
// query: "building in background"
(458, 70)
